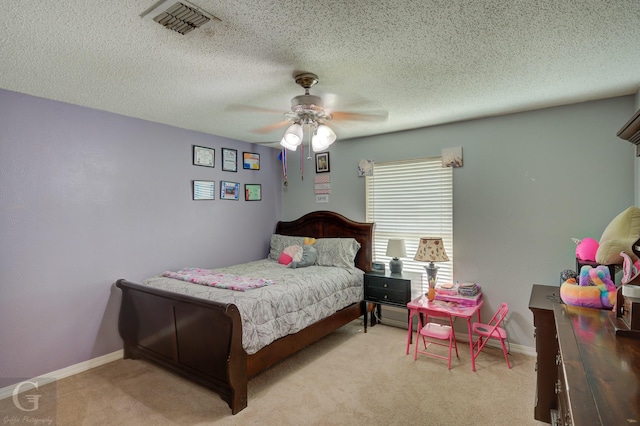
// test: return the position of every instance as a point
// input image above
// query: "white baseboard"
(64, 372)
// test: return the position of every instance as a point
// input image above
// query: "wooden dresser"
(541, 304)
(586, 375)
(598, 372)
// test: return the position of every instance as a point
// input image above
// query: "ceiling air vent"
(180, 16)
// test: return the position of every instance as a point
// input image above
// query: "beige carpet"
(347, 378)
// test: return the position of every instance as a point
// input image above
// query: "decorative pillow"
(619, 236)
(309, 257)
(279, 242)
(340, 252)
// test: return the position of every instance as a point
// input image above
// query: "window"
(412, 199)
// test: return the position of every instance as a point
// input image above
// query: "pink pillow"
(285, 259)
(587, 249)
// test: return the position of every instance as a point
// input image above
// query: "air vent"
(180, 16)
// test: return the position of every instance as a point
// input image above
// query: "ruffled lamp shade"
(431, 249)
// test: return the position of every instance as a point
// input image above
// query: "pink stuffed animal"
(586, 249)
(290, 254)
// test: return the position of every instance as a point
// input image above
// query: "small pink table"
(453, 308)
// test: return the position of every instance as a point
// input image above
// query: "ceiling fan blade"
(250, 108)
(354, 116)
(271, 127)
(333, 102)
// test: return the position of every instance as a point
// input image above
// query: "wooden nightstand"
(390, 289)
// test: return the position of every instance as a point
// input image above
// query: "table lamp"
(396, 249)
(431, 249)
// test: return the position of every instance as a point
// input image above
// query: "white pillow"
(340, 252)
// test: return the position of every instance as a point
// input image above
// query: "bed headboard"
(326, 224)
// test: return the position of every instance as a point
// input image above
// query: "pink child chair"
(491, 330)
(435, 333)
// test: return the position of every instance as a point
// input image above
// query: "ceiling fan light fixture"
(292, 137)
(322, 138)
(287, 145)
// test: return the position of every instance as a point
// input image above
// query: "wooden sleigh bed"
(202, 339)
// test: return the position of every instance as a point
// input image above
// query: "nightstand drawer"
(386, 295)
(391, 290)
(387, 290)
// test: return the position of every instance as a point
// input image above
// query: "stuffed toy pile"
(594, 288)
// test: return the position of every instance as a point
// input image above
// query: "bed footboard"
(199, 339)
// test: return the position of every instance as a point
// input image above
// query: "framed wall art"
(250, 161)
(229, 190)
(322, 162)
(204, 190)
(229, 160)
(452, 157)
(252, 192)
(203, 156)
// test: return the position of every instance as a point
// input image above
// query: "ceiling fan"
(309, 114)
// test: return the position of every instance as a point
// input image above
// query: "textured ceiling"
(425, 62)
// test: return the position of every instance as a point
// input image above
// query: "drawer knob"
(385, 285)
(386, 297)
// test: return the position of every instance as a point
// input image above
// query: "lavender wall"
(88, 197)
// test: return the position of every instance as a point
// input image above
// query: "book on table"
(464, 289)
(447, 288)
(468, 289)
(466, 294)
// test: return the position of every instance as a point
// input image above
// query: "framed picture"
(204, 190)
(203, 156)
(452, 157)
(229, 190)
(322, 162)
(229, 160)
(250, 161)
(252, 192)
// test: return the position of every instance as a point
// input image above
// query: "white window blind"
(412, 199)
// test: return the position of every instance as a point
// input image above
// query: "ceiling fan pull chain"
(309, 138)
(301, 161)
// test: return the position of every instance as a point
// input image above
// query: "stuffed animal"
(299, 256)
(630, 269)
(586, 249)
(594, 288)
(290, 254)
(309, 257)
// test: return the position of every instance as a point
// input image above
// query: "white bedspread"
(299, 298)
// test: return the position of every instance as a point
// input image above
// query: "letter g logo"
(31, 398)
